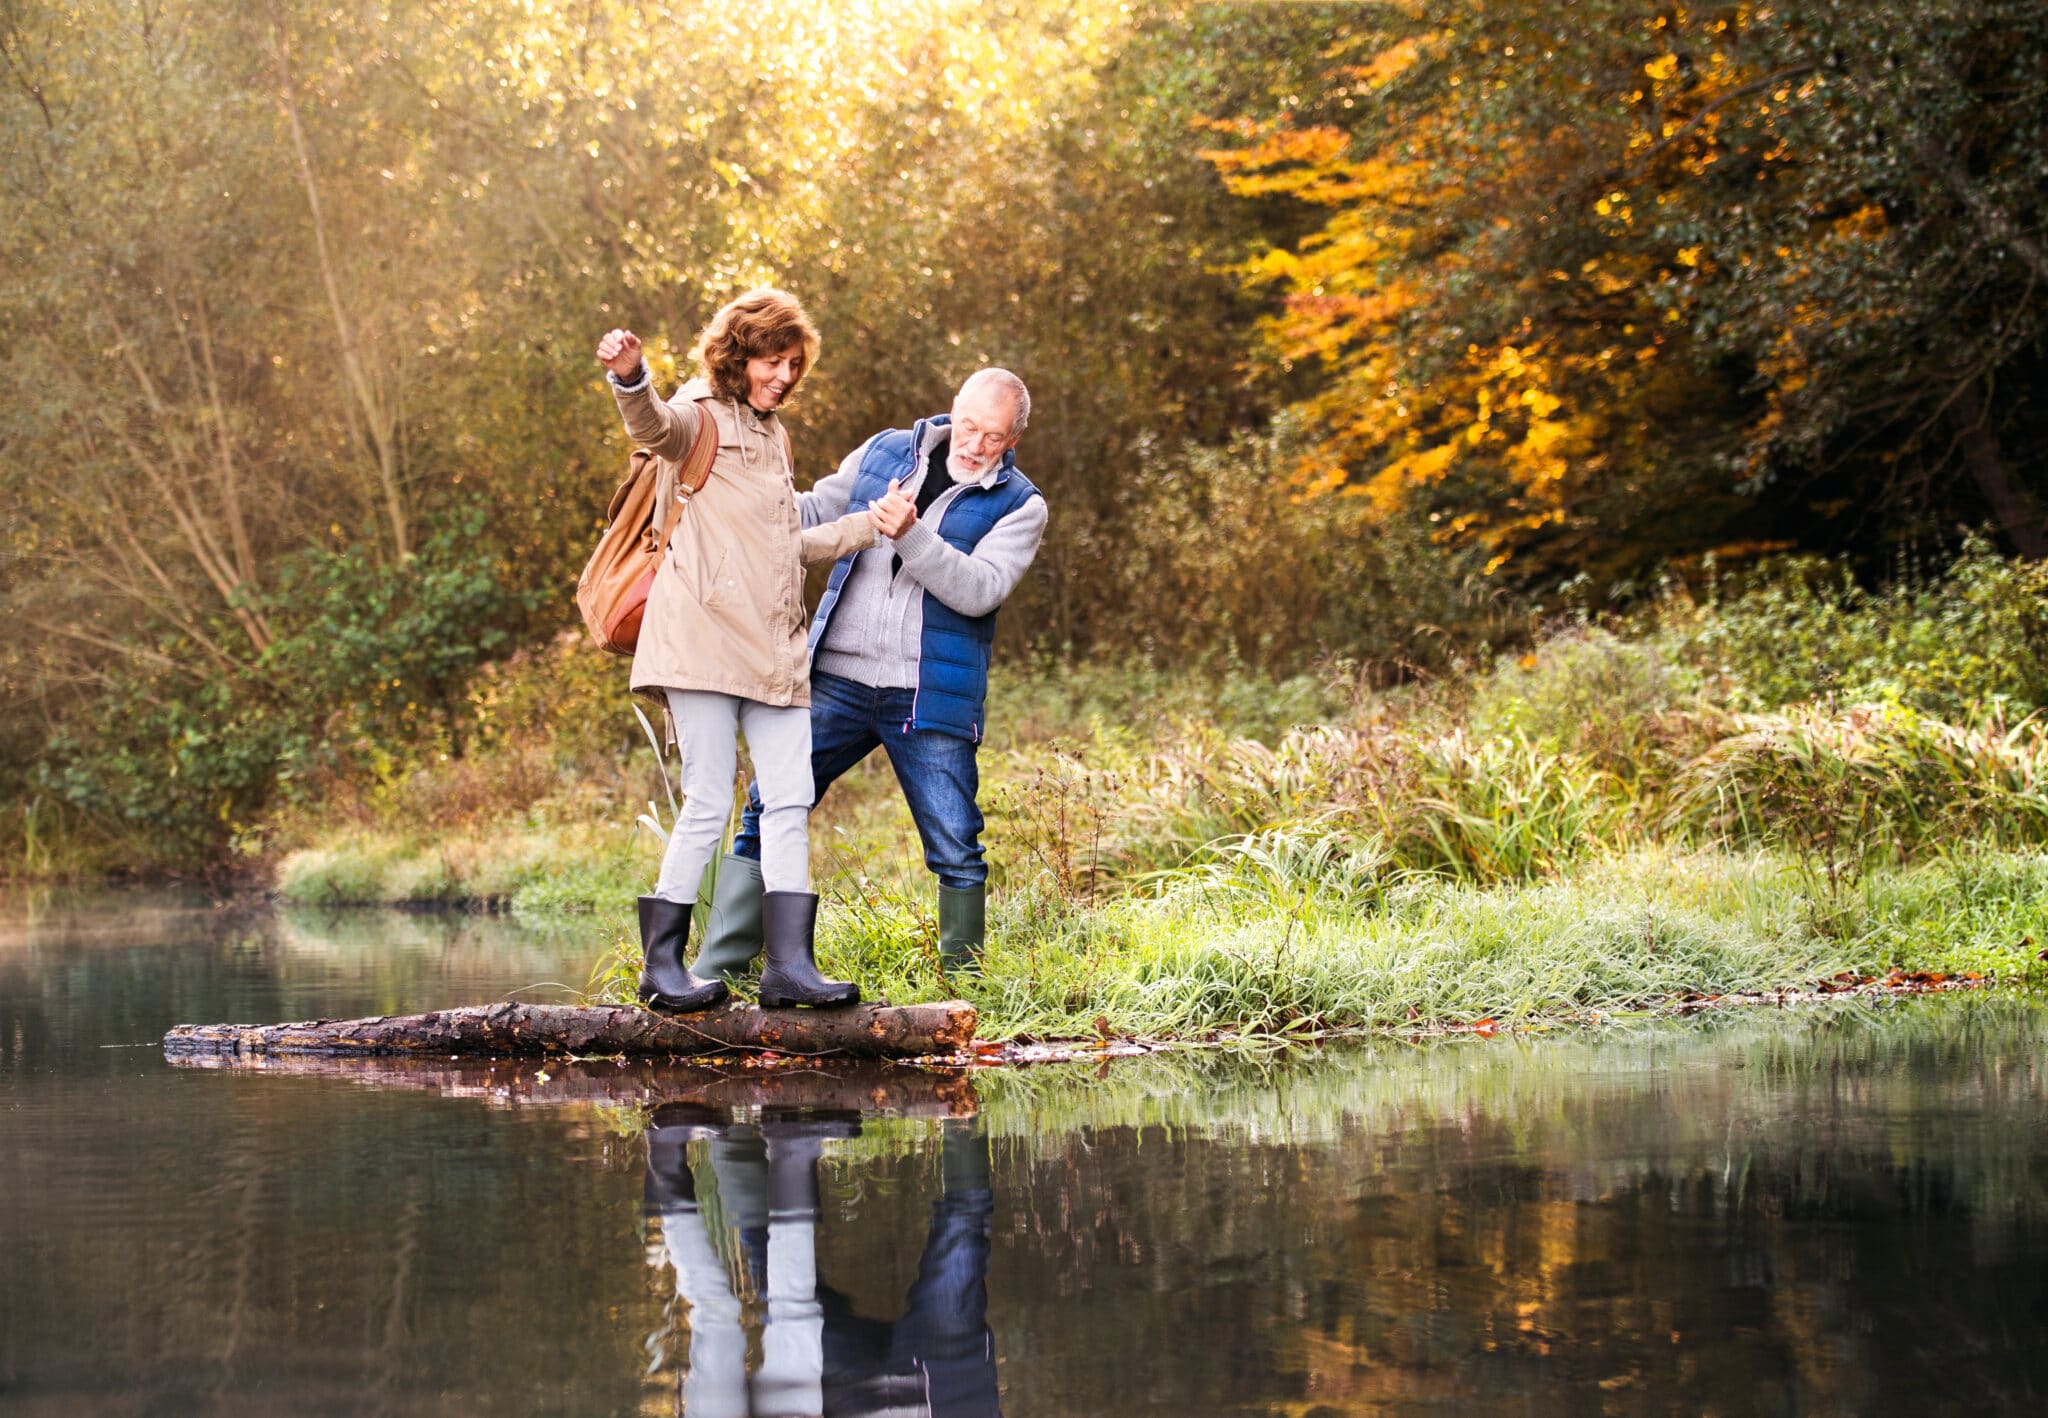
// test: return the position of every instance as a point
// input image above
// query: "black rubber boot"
(732, 937)
(789, 926)
(666, 984)
(670, 1186)
(963, 925)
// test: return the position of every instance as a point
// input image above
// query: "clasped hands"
(895, 513)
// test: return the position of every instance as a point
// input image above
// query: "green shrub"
(367, 664)
(1803, 629)
(1586, 692)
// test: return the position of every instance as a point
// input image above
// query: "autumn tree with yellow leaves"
(1606, 283)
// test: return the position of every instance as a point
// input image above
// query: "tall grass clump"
(1872, 779)
(1480, 808)
(1585, 691)
(1283, 934)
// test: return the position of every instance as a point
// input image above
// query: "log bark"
(525, 1030)
(868, 1086)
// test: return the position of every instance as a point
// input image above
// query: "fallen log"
(870, 1087)
(523, 1030)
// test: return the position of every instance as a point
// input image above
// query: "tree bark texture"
(2019, 515)
(870, 1087)
(515, 1030)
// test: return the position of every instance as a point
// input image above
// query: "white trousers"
(708, 726)
(716, 1386)
(791, 1380)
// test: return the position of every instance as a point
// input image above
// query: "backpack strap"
(676, 483)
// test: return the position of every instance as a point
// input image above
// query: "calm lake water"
(1839, 1210)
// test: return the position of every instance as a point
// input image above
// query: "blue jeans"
(938, 773)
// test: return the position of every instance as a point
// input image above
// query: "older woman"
(723, 637)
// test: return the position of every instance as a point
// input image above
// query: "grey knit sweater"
(879, 623)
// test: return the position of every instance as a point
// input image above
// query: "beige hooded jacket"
(726, 612)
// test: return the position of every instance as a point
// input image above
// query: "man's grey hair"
(1020, 397)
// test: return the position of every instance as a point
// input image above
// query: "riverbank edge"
(1025, 1053)
(1013, 1053)
(1292, 954)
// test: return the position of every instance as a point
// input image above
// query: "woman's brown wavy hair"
(761, 322)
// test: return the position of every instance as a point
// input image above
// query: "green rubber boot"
(963, 1156)
(732, 938)
(963, 926)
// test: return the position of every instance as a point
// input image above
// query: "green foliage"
(1485, 809)
(1215, 950)
(364, 659)
(537, 868)
(1971, 639)
(1403, 304)
(1869, 782)
(1583, 691)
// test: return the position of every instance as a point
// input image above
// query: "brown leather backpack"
(612, 592)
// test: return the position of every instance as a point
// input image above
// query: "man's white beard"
(958, 470)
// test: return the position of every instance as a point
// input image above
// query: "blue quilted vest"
(953, 653)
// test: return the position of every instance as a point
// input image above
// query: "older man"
(900, 646)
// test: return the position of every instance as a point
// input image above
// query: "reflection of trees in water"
(1754, 1215)
(1814, 1211)
(119, 967)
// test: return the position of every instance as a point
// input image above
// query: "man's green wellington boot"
(963, 1156)
(732, 938)
(963, 925)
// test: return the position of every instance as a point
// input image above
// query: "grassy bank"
(1280, 943)
(1743, 789)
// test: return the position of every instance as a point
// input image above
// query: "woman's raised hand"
(619, 351)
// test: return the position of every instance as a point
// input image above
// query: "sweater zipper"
(919, 453)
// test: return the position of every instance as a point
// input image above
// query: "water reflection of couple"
(817, 1355)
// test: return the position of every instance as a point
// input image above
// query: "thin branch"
(12, 39)
(1714, 105)
(376, 414)
(134, 652)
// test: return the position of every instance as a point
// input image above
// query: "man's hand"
(895, 514)
(619, 352)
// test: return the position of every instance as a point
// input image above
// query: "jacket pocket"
(713, 589)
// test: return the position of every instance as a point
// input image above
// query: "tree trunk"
(854, 1085)
(2019, 515)
(514, 1030)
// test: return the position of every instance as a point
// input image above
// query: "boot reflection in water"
(716, 1386)
(939, 1358)
(817, 1355)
